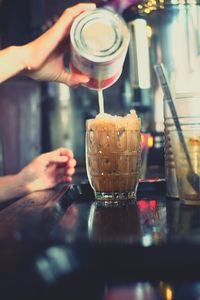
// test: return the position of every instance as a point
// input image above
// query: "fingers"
(60, 172)
(61, 152)
(68, 16)
(59, 159)
(67, 169)
(49, 40)
(65, 152)
(68, 179)
(64, 175)
(73, 79)
(65, 179)
(65, 163)
(71, 163)
(76, 10)
(70, 171)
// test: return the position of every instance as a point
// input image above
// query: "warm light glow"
(150, 141)
(147, 10)
(140, 6)
(149, 31)
(146, 140)
(142, 204)
(169, 293)
(152, 204)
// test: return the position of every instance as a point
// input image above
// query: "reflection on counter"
(152, 221)
(141, 291)
(147, 222)
(153, 291)
(183, 222)
(189, 223)
(142, 222)
(114, 224)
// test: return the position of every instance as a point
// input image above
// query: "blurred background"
(36, 116)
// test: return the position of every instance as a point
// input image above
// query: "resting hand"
(48, 170)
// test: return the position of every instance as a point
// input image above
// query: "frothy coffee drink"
(113, 155)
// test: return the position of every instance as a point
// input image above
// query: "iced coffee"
(113, 152)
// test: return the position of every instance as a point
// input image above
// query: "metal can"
(99, 43)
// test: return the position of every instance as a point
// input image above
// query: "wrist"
(21, 189)
(12, 62)
(22, 54)
(18, 54)
(22, 183)
(11, 186)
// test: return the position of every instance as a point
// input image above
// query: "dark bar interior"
(61, 242)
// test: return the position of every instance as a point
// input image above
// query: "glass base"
(190, 202)
(115, 198)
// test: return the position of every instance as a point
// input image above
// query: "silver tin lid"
(99, 35)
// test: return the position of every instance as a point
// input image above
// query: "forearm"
(11, 62)
(11, 187)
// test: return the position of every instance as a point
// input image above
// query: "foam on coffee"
(104, 121)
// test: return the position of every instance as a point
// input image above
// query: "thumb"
(59, 159)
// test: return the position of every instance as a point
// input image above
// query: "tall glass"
(188, 111)
(113, 155)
